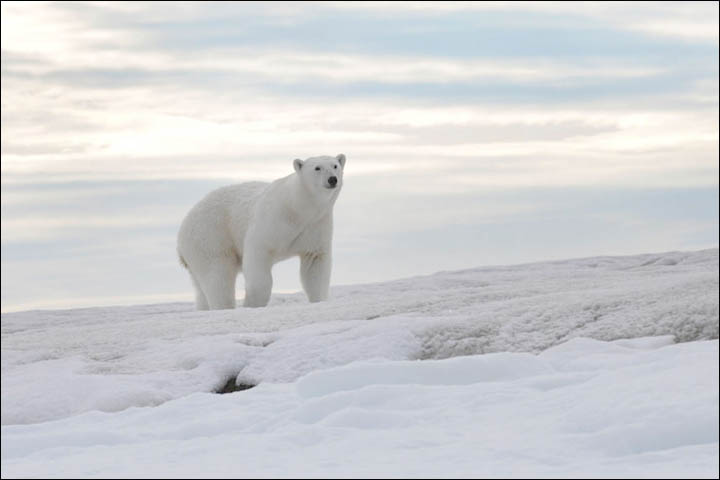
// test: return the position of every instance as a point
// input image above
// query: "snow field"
(603, 366)
(642, 408)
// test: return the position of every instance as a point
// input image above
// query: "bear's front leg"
(315, 275)
(257, 269)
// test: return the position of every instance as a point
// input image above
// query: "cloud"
(163, 134)
(692, 21)
(291, 67)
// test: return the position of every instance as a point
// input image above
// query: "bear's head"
(321, 174)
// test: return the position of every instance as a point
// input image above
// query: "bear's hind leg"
(201, 302)
(218, 284)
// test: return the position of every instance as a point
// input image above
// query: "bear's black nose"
(332, 181)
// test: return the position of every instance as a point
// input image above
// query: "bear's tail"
(182, 261)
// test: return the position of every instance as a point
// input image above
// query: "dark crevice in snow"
(231, 386)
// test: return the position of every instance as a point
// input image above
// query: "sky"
(475, 133)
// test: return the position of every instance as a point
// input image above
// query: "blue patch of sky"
(571, 223)
(498, 35)
(493, 34)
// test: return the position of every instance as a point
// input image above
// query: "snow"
(603, 366)
(585, 408)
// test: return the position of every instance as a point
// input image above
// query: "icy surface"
(595, 367)
(585, 408)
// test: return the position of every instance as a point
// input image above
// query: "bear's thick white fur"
(251, 226)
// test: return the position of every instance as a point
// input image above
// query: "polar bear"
(251, 226)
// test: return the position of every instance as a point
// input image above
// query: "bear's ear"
(298, 164)
(341, 159)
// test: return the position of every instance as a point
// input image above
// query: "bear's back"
(218, 222)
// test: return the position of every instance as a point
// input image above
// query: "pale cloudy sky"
(476, 133)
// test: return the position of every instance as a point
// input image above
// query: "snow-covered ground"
(601, 366)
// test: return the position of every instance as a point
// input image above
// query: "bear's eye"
(335, 166)
(317, 169)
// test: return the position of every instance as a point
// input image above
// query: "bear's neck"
(305, 199)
